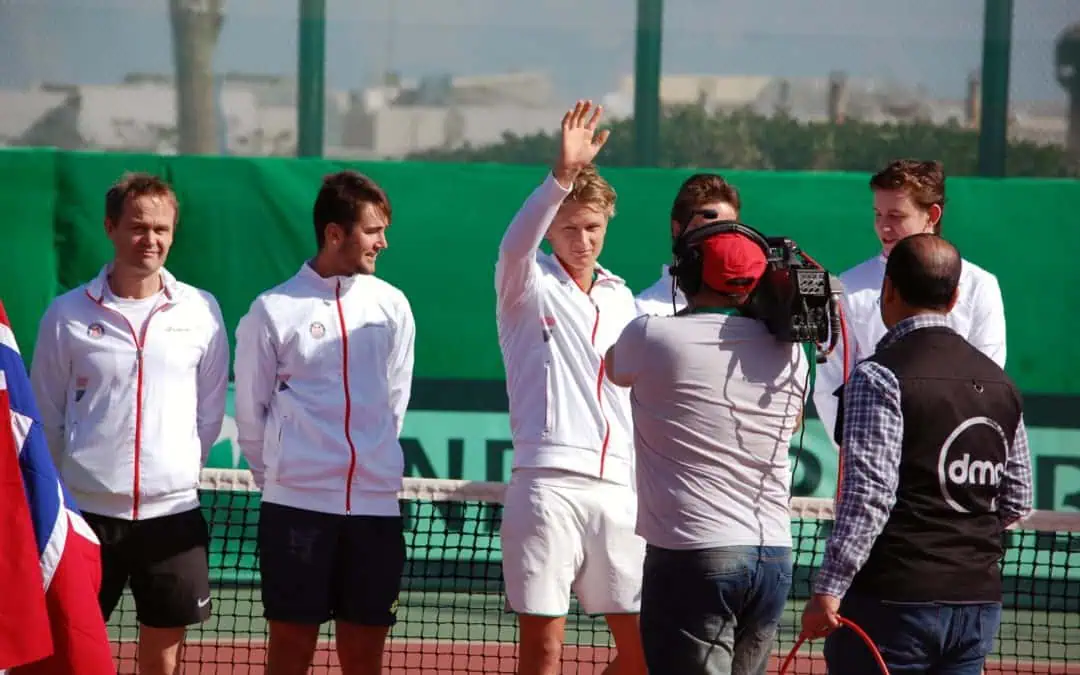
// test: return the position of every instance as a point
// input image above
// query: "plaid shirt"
(873, 438)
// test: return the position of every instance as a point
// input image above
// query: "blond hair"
(590, 189)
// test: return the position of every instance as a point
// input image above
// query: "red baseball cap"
(732, 263)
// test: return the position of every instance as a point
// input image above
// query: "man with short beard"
(324, 366)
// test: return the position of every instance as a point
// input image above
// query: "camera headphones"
(688, 263)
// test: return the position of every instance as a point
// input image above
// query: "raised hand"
(580, 140)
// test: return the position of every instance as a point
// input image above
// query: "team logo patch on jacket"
(548, 326)
(80, 387)
(317, 330)
(95, 330)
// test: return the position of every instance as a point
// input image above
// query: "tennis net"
(452, 618)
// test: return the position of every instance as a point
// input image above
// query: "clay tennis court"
(465, 658)
(475, 636)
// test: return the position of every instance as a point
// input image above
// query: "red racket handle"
(858, 631)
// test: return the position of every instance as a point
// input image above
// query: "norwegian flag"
(50, 570)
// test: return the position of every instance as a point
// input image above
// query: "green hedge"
(690, 137)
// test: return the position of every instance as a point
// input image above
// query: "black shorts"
(166, 562)
(319, 566)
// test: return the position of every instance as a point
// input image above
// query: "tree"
(196, 26)
(1067, 59)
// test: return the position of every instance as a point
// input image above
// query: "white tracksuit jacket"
(323, 378)
(979, 316)
(130, 412)
(564, 413)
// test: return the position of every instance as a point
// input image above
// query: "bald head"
(924, 270)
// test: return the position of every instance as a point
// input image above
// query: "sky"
(586, 45)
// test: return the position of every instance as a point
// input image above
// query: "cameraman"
(715, 400)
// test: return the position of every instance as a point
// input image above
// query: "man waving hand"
(570, 512)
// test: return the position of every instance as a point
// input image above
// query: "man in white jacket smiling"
(324, 367)
(130, 372)
(909, 198)
(569, 516)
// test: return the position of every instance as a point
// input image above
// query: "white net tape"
(483, 492)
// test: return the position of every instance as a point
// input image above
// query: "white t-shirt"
(715, 400)
(135, 310)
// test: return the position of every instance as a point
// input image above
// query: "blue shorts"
(321, 566)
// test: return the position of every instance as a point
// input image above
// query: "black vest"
(944, 540)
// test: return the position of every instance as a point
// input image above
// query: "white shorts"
(563, 532)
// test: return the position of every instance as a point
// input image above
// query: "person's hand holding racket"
(821, 616)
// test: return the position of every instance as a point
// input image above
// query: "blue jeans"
(712, 611)
(934, 638)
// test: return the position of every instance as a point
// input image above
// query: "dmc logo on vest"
(965, 472)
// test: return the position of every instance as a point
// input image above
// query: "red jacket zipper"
(348, 400)
(140, 343)
(600, 371)
(600, 389)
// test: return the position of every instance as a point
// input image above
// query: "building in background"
(403, 116)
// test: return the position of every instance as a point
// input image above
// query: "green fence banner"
(245, 226)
